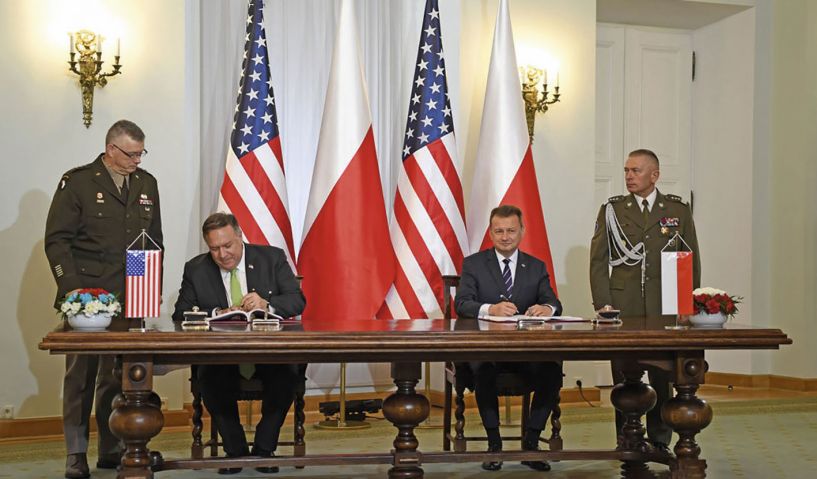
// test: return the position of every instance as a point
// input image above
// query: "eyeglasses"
(132, 156)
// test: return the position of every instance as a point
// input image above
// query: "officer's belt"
(102, 256)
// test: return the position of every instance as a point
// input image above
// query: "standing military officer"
(625, 263)
(97, 211)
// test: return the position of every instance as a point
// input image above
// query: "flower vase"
(94, 322)
(706, 320)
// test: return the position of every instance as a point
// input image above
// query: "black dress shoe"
(535, 465)
(264, 469)
(229, 470)
(108, 461)
(76, 466)
(493, 465)
(661, 448)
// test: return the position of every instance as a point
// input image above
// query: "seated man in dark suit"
(234, 275)
(503, 281)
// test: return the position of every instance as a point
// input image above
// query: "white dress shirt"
(650, 200)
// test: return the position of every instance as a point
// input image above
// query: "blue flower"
(72, 298)
(85, 298)
(103, 298)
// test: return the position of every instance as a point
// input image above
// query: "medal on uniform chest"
(664, 230)
(99, 198)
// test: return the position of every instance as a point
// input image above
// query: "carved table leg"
(688, 415)
(136, 419)
(633, 398)
(459, 427)
(406, 409)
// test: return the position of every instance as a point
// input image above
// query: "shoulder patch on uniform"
(616, 199)
(67, 175)
(675, 198)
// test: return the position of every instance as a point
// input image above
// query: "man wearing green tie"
(235, 275)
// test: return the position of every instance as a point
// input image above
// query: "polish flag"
(346, 258)
(504, 173)
(676, 282)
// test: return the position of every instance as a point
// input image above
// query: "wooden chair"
(249, 390)
(458, 377)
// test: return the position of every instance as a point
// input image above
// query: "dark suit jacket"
(482, 283)
(268, 274)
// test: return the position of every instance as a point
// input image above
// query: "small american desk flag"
(143, 273)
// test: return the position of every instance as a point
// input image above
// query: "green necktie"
(646, 212)
(235, 288)
(247, 370)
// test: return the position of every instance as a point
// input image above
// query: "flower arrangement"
(713, 301)
(89, 301)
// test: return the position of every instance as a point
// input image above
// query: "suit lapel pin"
(522, 264)
(250, 266)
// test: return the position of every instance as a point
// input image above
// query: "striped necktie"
(506, 276)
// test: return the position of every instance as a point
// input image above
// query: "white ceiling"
(684, 14)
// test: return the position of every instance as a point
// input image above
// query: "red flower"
(713, 306)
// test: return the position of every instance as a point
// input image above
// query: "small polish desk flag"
(676, 281)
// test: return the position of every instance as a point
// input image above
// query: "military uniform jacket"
(90, 225)
(621, 288)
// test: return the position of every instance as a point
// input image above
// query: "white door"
(656, 104)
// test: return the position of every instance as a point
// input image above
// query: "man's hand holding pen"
(503, 308)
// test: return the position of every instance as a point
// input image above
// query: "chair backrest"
(450, 282)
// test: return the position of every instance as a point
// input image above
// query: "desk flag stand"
(144, 237)
(341, 423)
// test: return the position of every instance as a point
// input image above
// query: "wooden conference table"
(137, 416)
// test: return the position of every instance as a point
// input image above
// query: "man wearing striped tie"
(504, 281)
(235, 275)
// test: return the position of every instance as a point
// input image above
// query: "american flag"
(428, 226)
(254, 187)
(143, 273)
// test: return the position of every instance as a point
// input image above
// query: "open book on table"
(256, 316)
(196, 318)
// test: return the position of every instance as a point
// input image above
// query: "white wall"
(792, 170)
(722, 105)
(43, 136)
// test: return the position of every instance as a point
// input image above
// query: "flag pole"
(341, 423)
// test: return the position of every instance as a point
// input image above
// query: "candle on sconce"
(117, 48)
(70, 43)
(557, 79)
(545, 76)
(98, 43)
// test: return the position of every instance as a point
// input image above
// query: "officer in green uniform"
(97, 211)
(625, 262)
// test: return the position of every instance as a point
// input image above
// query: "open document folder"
(515, 318)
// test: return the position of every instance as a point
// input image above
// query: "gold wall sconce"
(536, 101)
(89, 67)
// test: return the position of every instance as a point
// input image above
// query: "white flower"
(709, 291)
(92, 307)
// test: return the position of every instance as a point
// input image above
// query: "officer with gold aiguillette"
(97, 211)
(625, 262)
